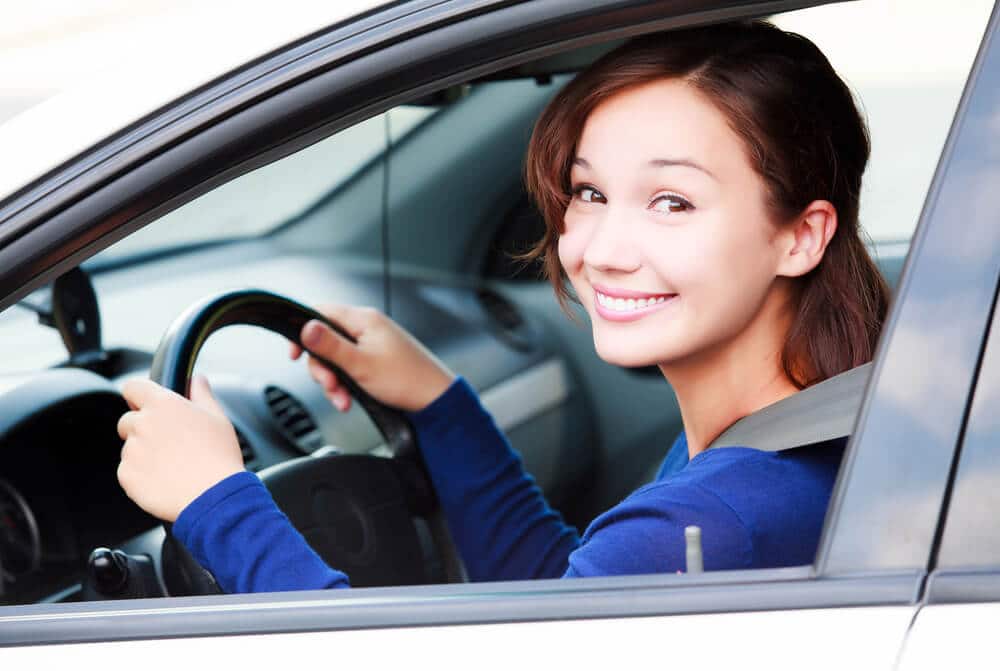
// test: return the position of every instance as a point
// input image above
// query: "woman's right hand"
(387, 362)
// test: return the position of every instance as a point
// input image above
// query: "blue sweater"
(756, 509)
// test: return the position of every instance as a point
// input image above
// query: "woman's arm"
(181, 461)
(500, 521)
(236, 531)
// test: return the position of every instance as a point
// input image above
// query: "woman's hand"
(174, 449)
(387, 362)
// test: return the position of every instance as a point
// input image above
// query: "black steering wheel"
(375, 518)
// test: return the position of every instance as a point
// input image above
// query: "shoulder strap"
(821, 412)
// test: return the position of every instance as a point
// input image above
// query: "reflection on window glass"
(907, 62)
(269, 196)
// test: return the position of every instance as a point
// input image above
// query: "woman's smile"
(625, 305)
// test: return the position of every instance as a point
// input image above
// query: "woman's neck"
(735, 379)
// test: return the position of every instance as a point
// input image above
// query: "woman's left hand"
(175, 449)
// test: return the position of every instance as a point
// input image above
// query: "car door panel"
(868, 638)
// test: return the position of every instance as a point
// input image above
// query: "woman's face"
(668, 241)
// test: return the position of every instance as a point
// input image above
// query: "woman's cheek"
(572, 243)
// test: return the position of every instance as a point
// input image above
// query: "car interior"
(420, 212)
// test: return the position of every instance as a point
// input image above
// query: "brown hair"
(803, 135)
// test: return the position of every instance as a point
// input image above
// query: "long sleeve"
(755, 509)
(498, 517)
(500, 521)
(235, 530)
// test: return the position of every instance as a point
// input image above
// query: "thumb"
(201, 396)
(322, 341)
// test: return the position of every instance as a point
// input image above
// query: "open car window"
(443, 188)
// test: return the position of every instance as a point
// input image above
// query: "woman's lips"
(619, 305)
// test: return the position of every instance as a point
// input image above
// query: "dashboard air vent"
(249, 457)
(293, 420)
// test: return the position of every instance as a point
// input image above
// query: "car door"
(868, 577)
(962, 598)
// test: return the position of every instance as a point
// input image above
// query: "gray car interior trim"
(824, 411)
(527, 394)
(474, 603)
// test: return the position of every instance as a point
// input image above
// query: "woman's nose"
(612, 245)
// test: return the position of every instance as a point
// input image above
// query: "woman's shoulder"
(732, 468)
(778, 498)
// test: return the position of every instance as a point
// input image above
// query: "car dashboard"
(59, 447)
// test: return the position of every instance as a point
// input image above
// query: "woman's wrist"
(432, 388)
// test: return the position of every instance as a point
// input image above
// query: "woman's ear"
(806, 238)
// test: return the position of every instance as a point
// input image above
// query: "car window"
(275, 194)
(971, 538)
(434, 146)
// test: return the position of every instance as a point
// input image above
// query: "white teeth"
(627, 304)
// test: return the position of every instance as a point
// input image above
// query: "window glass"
(972, 535)
(274, 194)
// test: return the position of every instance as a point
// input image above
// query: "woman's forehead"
(662, 124)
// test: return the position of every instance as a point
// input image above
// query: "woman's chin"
(626, 355)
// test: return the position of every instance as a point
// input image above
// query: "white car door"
(851, 608)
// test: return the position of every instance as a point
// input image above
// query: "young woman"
(700, 190)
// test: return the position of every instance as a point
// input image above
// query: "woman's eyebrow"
(670, 162)
(656, 163)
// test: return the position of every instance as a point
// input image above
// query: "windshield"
(273, 195)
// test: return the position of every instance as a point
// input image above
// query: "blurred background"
(906, 60)
(49, 46)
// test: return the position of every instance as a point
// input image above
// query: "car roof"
(52, 132)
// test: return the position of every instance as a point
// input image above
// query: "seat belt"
(824, 411)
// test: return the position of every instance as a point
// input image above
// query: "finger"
(325, 377)
(294, 351)
(139, 391)
(320, 340)
(126, 424)
(352, 318)
(201, 395)
(122, 474)
(340, 398)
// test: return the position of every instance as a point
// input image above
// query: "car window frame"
(966, 562)
(170, 173)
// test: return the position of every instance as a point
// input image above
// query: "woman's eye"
(589, 194)
(670, 203)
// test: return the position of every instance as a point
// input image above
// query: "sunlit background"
(906, 60)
